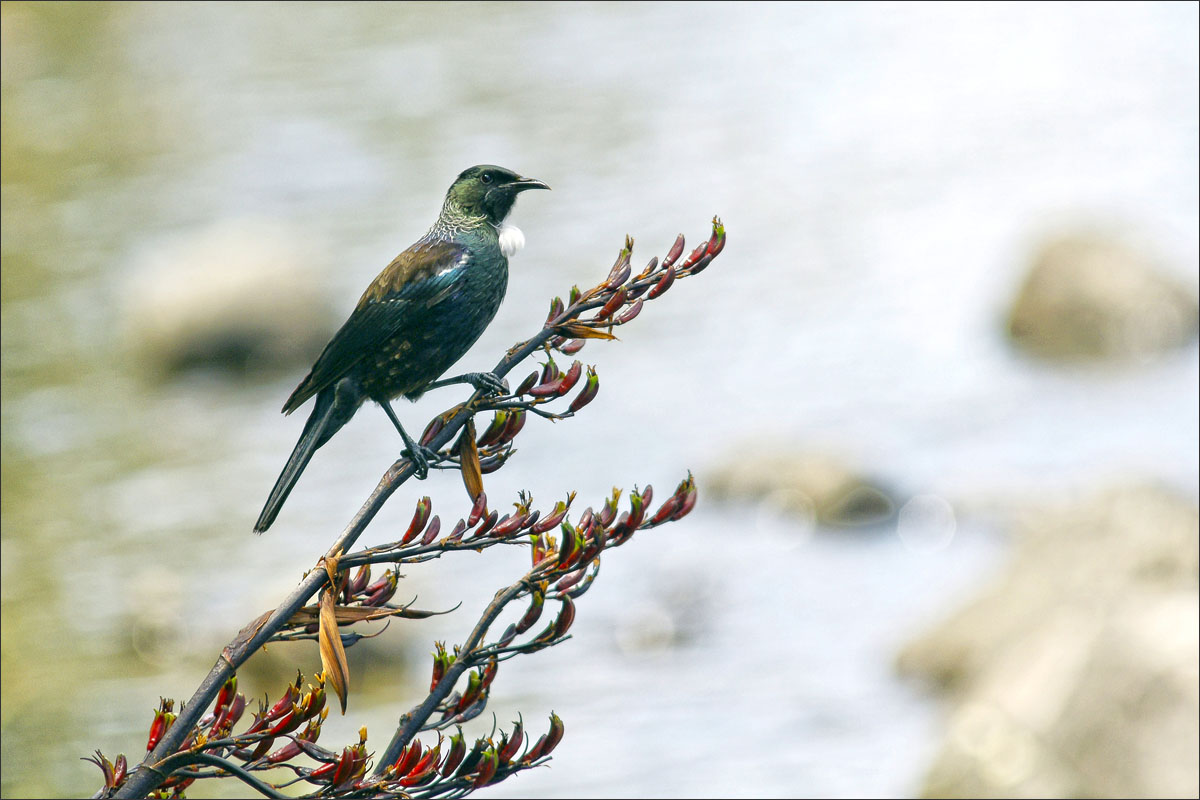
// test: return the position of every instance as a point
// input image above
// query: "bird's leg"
(419, 454)
(488, 382)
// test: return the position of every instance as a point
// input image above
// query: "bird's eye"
(486, 177)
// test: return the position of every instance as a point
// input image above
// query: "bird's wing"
(420, 277)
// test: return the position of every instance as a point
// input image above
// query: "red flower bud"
(695, 256)
(408, 758)
(653, 265)
(418, 521)
(288, 723)
(614, 302)
(477, 510)
(560, 511)
(556, 308)
(313, 702)
(487, 524)
(285, 753)
(417, 778)
(492, 463)
(620, 270)
(323, 773)
(629, 313)
(487, 769)
(589, 392)
(344, 768)
(688, 501)
(231, 716)
(472, 693)
(509, 525)
(163, 719)
(595, 544)
(568, 547)
(435, 525)
(382, 590)
(666, 510)
(717, 243)
(562, 622)
(537, 600)
(540, 549)
(492, 434)
(471, 761)
(432, 429)
(489, 671)
(674, 253)
(516, 421)
(571, 579)
(663, 284)
(360, 580)
(637, 506)
(550, 389)
(547, 742)
(512, 745)
(224, 697)
(423, 769)
(609, 512)
(527, 384)
(260, 749)
(555, 734)
(458, 749)
(441, 662)
(700, 265)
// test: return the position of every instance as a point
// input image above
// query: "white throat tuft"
(511, 239)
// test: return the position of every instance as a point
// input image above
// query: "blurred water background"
(884, 172)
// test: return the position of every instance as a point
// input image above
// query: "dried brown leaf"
(333, 655)
(579, 331)
(468, 453)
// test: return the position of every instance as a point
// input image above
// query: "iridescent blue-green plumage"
(418, 317)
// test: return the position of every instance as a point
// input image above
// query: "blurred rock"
(1075, 673)
(676, 610)
(1088, 296)
(817, 487)
(242, 296)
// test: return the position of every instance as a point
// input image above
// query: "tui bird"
(417, 318)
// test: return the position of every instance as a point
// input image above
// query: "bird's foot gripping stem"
(418, 454)
(486, 382)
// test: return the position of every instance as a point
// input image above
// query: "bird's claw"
(488, 382)
(420, 456)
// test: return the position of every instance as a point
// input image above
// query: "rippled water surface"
(884, 172)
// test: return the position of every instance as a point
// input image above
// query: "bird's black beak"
(521, 184)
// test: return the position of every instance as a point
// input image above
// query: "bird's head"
(489, 191)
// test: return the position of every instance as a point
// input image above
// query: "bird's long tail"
(334, 408)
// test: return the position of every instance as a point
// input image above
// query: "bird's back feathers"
(416, 280)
